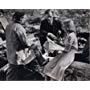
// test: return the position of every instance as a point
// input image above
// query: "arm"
(52, 36)
(42, 27)
(21, 36)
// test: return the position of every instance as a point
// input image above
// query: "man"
(50, 26)
(15, 42)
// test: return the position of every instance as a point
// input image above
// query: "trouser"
(16, 72)
(12, 72)
(22, 73)
(42, 39)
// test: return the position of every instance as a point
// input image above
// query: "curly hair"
(17, 16)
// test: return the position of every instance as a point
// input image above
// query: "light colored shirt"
(15, 41)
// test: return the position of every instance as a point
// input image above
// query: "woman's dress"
(57, 66)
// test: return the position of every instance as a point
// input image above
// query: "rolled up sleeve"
(21, 35)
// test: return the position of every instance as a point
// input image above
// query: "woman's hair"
(70, 24)
(17, 16)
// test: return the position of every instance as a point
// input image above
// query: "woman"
(55, 68)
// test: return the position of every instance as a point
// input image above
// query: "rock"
(78, 71)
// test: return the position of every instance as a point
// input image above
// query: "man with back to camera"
(15, 41)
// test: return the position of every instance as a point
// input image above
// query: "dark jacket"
(47, 27)
(53, 28)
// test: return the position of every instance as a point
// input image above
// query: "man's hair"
(47, 12)
(17, 16)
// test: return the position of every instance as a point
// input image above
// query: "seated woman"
(56, 67)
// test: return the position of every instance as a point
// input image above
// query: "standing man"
(15, 42)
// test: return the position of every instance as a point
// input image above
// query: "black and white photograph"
(44, 44)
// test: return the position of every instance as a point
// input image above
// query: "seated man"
(50, 25)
